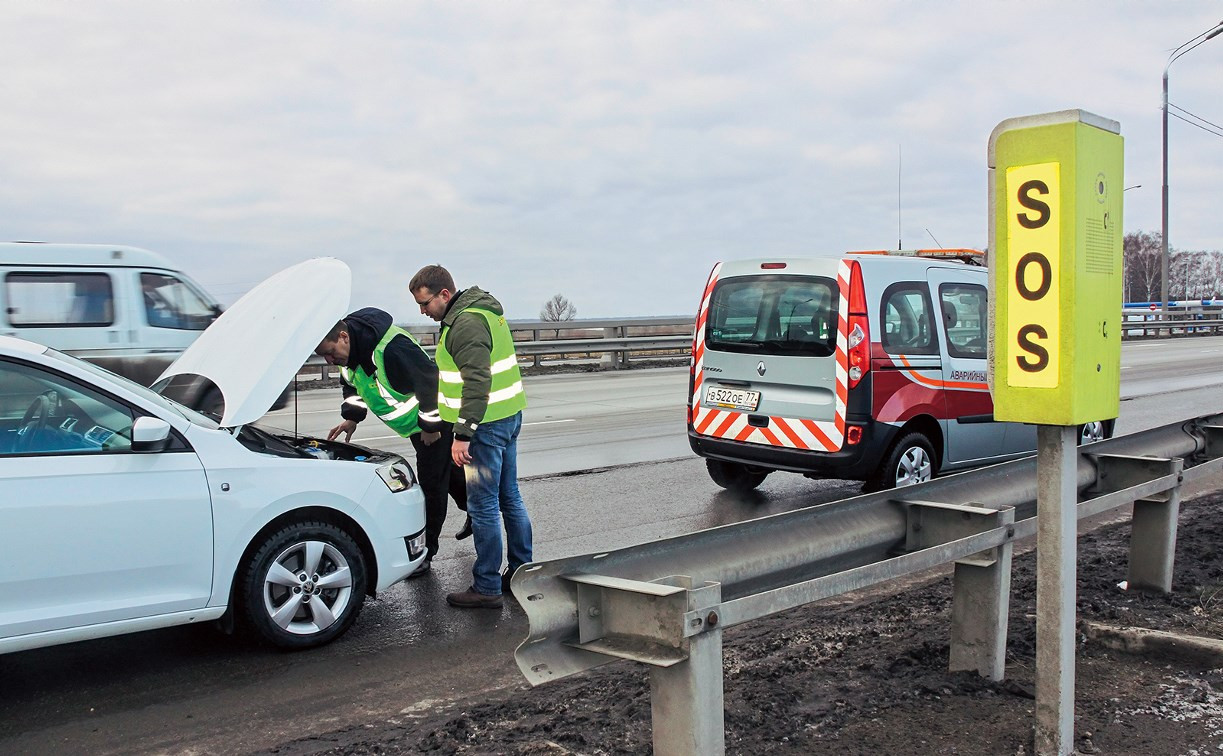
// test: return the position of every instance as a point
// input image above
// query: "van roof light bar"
(970, 256)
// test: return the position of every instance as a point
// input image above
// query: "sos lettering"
(1033, 276)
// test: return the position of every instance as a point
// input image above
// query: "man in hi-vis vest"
(385, 371)
(480, 393)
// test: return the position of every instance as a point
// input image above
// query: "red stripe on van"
(780, 422)
(768, 434)
(814, 427)
(730, 420)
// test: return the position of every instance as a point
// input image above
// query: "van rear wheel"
(911, 461)
(734, 476)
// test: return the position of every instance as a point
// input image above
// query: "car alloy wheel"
(306, 588)
(304, 585)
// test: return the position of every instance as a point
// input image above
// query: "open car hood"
(256, 347)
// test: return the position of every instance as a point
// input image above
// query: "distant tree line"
(1192, 274)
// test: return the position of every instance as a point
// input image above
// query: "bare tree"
(1141, 260)
(558, 309)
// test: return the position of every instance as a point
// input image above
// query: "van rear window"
(774, 315)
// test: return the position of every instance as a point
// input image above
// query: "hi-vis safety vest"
(399, 411)
(505, 394)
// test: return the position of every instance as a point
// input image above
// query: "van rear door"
(766, 372)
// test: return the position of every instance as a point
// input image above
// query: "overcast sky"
(608, 151)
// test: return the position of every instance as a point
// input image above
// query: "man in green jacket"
(385, 371)
(480, 393)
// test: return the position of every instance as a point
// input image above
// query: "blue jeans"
(493, 498)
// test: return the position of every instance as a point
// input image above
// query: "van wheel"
(910, 461)
(735, 477)
(1089, 433)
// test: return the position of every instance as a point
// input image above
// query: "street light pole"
(1210, 33)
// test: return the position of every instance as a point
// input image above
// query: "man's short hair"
(336, 330)
(432, 277)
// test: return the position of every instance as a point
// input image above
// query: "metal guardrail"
(665, 603)
(617, 340)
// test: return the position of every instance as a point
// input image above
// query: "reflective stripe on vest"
(505, 397)
(397, 410)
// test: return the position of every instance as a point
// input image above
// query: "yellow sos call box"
(1055, 240)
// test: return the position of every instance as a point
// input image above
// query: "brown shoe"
(472, 599)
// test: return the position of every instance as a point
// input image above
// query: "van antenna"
(936, 241)
(899, 164)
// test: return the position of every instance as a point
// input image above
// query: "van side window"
(171, 303)
(907, 326)
(45, 413)
(965, 318)
(60, 299)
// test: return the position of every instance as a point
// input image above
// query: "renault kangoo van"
(862, 366)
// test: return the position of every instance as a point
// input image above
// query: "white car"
(122, 511)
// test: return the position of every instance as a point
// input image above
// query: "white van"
(126, 309)
(864, 366)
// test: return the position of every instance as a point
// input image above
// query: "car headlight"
(397, 477)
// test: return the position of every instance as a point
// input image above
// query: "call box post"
(1055, 240)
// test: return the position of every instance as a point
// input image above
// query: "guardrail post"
(1153, 538)
(981, 583)
(675, 628)
(1153, 525)
(686, 706)
(611, 359)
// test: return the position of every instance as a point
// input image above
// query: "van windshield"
(169, 302)
(774, 315)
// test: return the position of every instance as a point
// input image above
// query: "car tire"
(734, 476)
(292, 607)
(910, 461)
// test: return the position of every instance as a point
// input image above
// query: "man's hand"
(429, 439)
(459, 452)
(348, 427)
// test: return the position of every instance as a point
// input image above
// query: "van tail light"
(859, 337)
(698, 343)
(853, 435)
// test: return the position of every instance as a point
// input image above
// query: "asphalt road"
(194, 690)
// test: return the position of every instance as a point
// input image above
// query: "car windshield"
(143, 391)
(774, 315)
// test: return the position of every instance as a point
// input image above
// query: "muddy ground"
(869, 676)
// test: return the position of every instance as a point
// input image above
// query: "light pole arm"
(1205, 36)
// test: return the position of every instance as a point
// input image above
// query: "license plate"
(728, 398)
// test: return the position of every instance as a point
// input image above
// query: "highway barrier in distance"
(617, 340)
(665, 603)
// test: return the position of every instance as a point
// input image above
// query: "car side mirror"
(150, 434)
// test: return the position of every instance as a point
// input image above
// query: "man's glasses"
(425, 303)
